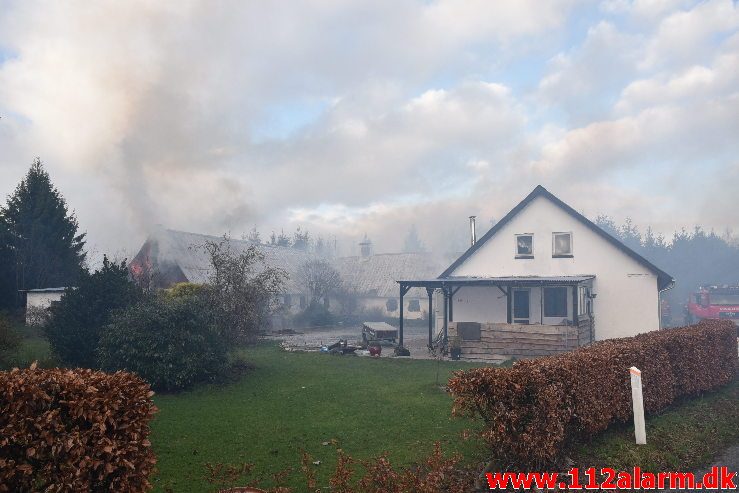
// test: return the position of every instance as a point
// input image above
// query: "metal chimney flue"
(473, 233)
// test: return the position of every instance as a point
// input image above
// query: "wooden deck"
(501, 341)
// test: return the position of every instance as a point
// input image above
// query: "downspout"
(659, 300)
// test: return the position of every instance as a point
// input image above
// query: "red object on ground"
(375, 350)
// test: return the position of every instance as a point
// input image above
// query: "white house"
(543, 280)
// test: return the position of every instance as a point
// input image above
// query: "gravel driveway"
(415, 339)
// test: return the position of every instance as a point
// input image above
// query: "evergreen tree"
(301, 240)
(78, 319)
(254, 236)
(42, 235)
(607, 224)
(8, 293)
(283, 240)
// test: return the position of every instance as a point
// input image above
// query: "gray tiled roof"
(186, 251)
(376, 275)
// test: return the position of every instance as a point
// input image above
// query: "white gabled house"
(544, 279)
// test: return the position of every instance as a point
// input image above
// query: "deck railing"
(499, 341)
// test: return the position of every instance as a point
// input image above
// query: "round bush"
(170, 342)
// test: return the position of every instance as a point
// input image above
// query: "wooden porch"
(497, 342)
(536, 339)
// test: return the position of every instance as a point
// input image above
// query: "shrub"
(436, 473)
(184, 290)
(171, 343)
(315, 315)
(533, 410)
(242, 289)
(81, 430)
(77, 320)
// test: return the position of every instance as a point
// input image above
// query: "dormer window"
(525, 246)
(562, 245)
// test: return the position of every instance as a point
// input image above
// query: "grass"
(686, 436)
(33, 347)
(296, 401)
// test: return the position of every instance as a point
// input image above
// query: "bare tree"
(242, 289)
(320, 278)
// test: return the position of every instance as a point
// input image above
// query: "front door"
(521, 298)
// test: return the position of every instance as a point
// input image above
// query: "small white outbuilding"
(38, 301)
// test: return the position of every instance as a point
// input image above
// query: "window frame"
(523, 255)
(554, 245)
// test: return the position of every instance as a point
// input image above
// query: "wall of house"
(369, 302)
(483, 304)
(488, 304)
(627, 293)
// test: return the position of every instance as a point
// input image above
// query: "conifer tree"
(41, 235)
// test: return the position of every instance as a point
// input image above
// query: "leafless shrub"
(242, 289)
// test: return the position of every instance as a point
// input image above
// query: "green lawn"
(32, 347)
(294, 401)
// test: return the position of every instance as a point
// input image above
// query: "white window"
(561, 244)
(525, 245)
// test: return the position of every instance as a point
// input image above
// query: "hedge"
(536, 408)
(74, 430)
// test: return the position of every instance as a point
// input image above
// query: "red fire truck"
(718, 302)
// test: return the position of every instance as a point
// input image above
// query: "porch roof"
(496, 281)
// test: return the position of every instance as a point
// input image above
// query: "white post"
(636, 396)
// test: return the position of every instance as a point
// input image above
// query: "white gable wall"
(627, 293)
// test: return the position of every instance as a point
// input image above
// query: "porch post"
(430, 292)
(451, 305)
(575, 316)
(402, 293)
(446, 314)
(509, 318)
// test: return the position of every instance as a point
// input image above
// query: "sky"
(368, 116)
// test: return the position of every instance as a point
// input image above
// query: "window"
(391, 305)
(525, 246)
(561, 244)
(414, 306)
(555, 302)
(583, 303)
(521, 306)
(724, 299)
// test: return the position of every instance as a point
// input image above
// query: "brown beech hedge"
(536, 408)
(74, 430)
